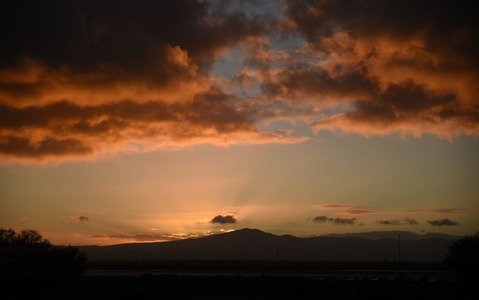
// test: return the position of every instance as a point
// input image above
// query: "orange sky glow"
(147, 121)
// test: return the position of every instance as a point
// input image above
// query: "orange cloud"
(390, 76)
(98, 82)
(62, 130)
(102, 82)
(331, 206)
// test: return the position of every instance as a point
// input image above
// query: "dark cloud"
(24, 147)
(343, 221)
(83, 79)
(128, 34)
(62, 49)
(228, 219)
(335, 221)
(405, 221)
(389, 222)
(443, 222)
(440, 20)
(320, 219)
(400, 76)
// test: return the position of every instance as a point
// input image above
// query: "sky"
(142, 121)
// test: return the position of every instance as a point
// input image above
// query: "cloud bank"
(410, 78)
(81, 80)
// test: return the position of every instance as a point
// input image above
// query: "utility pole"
(399, 247)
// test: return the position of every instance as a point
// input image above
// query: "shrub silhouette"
(463, 257)
(28, 256)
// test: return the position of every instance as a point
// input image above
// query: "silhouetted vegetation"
(27, 256)
(463, 257)
(31, 267)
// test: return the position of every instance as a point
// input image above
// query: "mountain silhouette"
(393, 234)
(254, 244)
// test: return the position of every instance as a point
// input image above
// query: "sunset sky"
(126, 121)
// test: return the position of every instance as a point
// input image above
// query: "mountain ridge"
(254, 244)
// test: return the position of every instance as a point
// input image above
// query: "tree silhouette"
(28, 256)
(463, 257)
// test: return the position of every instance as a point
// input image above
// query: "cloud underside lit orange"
(66, 129)
(102, 82)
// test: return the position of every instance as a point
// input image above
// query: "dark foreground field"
(241, 287)
(250, 280)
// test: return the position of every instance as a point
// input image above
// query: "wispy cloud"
(443, 222)
(405, 221)
(332, 206)
(335, 221)
(154, 237)
(449, 211)
(388, 222)
(357, 212)
(139, 237)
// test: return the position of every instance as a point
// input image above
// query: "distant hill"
(393, 234)
(253, 244)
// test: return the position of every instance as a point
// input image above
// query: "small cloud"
(343, 221)
(405, 221)
(23, 219)
(335, 221)
(388, 222)
(78, 219)
(219, 219)
(443, 222)
(320, 219)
